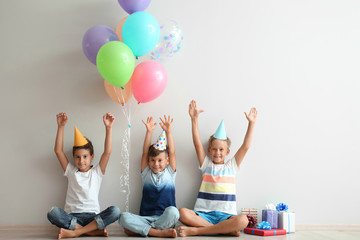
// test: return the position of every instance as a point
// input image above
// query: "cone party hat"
(220, 132)
(161, 142)
(79, 139)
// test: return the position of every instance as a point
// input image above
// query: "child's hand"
(108, 119)
(252, 116)
(166, 124)
(193, 110)
(149, 124)
(61, 119)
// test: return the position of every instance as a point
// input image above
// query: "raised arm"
(240, 154)
(199, 148)
(108, 119)
(61, 119)
(166, 125)
(150, 126)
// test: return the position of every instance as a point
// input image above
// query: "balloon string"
(125, 151)
(123, 106)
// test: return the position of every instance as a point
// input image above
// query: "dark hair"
(153, 152)
(227, 140)
(87, 146)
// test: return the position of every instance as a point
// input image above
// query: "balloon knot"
(122, 88)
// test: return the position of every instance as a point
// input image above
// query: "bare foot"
(130, 233)
(98, 232)
(187, 231)
(65, 233)
(163, 232)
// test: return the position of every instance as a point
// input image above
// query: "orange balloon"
(119, 28)
(118, 94)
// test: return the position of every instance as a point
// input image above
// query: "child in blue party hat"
(158, 212)
(215, 208)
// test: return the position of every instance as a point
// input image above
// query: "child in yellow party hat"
(81, 214)
(158, 212)
(215, 209)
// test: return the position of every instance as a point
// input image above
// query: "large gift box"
(287, 221)
(270, 216)
(263, 232)
(250, 211)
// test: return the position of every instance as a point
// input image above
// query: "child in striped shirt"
(215, 208)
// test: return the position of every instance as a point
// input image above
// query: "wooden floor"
(44, 232)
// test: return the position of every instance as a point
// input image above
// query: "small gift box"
(287, 221)
(270, 215)
(264, 232)
(250, 211)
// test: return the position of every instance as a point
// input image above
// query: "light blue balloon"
(141, 33)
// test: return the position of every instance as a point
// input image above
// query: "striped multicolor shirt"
(217, 191)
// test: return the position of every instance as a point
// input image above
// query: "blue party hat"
(161, 142)
(220, 132)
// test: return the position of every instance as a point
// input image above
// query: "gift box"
(250, 211)
(263, 232)
(287, 221)
(270, 216)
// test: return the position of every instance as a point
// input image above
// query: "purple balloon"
(94, 38)
(131, 6)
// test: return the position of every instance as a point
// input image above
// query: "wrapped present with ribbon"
(270, 214)
(264, 232)
(286, 218)
(250, 211)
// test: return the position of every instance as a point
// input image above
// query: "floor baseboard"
(328, 227)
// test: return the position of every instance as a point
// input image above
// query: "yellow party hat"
(79, 139)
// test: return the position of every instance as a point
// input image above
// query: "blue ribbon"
(264, 225)
(282, 207)
(289, 221)
(275, 232)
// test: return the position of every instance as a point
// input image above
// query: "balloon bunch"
(114, 53)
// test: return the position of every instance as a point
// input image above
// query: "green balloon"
(115, 62)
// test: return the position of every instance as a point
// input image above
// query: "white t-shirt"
(83, 189)
(217, 191)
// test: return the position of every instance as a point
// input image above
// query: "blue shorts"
(214, 217)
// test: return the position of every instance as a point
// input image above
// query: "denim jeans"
(142, 224)
(62, 219)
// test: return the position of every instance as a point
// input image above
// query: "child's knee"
(184, 213)
(242, 221)
(54, 212)
(125, 219)
(172, 211)
(115, 211)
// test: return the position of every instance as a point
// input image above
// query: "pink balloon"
(148, 81)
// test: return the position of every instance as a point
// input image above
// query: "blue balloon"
(141, 33)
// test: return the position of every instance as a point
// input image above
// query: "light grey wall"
(296, 61)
